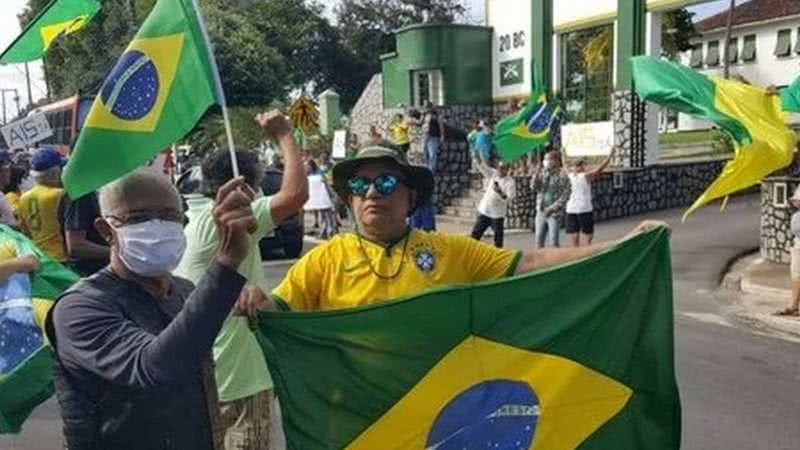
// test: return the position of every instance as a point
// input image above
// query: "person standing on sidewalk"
(492, 210)
(247, 401)
(552, 188)
(400, 129)
(580, 211)
(794, 267)
(434, 137)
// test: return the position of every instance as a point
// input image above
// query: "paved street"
(739, 390)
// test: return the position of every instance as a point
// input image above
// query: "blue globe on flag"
(131, 90)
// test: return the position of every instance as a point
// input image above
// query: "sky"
(12, 77)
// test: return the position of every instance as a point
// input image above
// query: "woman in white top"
(580, 212)
(319, 199)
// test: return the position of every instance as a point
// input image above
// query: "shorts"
(794, 265)
(583, 223)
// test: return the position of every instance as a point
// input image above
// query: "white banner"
(587, 139)
(339, 144)
(26, 132)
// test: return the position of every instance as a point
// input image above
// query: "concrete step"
(462, 222)
(466, 202)
(461, 211)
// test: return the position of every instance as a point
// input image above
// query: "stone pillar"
(330, 112)
(628, 111)
(652, 147)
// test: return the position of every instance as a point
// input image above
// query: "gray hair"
(112, 194)
(49, 176)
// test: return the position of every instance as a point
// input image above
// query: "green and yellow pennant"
(59, 17)
(576, 357)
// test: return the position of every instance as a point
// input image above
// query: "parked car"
(286, 242)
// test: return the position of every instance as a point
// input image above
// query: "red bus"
(66, 118)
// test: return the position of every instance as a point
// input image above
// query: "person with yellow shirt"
(399, 128)
(39, 206)
(383, 259)
(13, 190)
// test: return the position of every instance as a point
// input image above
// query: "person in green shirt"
(247, 405)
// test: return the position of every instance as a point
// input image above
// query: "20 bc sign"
(511, 41)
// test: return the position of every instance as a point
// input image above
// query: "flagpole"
(218, 83)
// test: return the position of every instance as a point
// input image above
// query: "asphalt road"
(740, 390)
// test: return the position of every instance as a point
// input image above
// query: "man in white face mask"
(132, 342)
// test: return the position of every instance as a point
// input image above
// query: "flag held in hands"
(57, 18)
(530, 128)
(26, 373)
(754, 118)
(576, 357)
(155, 94)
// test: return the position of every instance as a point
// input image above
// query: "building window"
(696, 60)
(784, 45)
(428, 87)
(749, 48)
(712, 54)
(733, 50)
(797, 44)
(587, 73)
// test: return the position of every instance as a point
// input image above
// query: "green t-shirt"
(241, 370)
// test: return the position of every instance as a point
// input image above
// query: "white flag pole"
(218, 83)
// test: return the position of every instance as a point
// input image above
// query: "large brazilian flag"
(576, 357)
(155, 94)
(26, 376)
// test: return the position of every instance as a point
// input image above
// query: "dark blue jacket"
(129, 367)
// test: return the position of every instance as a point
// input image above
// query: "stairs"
(463, 210)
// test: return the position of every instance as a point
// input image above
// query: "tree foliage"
(677, 32)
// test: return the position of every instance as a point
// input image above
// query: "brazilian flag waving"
(530, 128)
(580, 356)
(26, 376)
(155, 94)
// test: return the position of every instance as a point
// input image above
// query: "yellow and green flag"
(754, 118)
(155, 94)
(59, 17)
(26, 374)
(575, 357)
(530, 128)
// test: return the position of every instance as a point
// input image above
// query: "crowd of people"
(157, 335)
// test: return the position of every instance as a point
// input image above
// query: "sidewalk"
(764, 287)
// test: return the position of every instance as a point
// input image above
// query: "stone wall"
(367, 108)
(776, 234)
(642, 190)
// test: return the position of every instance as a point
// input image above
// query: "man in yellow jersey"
(39, 206)
(399, 129)
(383, 259)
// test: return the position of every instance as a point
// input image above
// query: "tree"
(677, 32)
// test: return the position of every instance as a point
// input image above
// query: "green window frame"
(733, 50)
(696, 59)
(712, 54)
(783, 47)
(749, 48)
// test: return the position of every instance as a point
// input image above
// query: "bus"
(66, 118)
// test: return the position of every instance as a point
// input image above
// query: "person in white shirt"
(500, 190)
(793, 310)
(580, 211)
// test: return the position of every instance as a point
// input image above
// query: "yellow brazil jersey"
(341, 272)
(39, 214)
(13, 200)
(400, 132)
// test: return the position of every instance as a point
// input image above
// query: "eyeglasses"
(137, 217)
(385, 184)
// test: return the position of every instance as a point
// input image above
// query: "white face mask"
(151, 248)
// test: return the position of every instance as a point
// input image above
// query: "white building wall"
(766, 70)
(566, 12)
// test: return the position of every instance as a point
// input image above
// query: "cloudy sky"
(12, 77)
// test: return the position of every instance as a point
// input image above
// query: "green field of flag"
(155, 94)
(752, 117)
(579, 356)
(530, 128)
(59, 17)
(26, 372)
